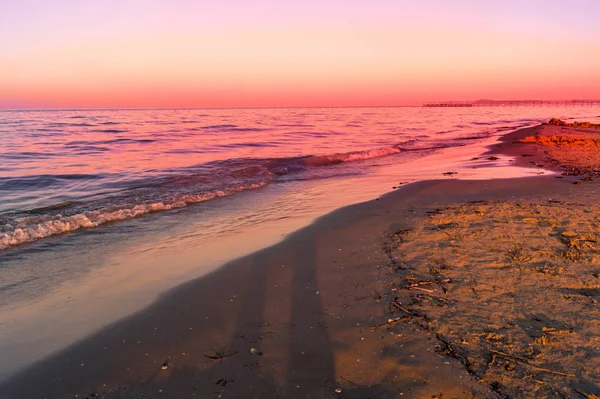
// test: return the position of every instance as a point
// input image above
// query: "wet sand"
(441, 289)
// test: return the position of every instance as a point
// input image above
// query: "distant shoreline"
(416, 105)
(512, 103)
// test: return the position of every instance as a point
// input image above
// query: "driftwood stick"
(388, 323)
(585, 395)
(523, 361)
(426, 282)
(507, 355)
(402, 309)
(420, 289)
(546, 370)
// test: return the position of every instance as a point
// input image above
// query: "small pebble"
(255, 352)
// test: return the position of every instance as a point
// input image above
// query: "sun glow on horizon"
(238, 54)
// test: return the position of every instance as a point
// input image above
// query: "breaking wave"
(325, 160)
(201, 183)
(32, 228)
(193, 185)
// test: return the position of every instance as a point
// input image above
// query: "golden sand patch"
(573, 147)
(582, 125)
(512, 290)
(565, 141)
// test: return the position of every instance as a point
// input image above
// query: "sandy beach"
(440, 289)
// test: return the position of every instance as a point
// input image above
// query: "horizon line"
(176, 108)
(280, 107)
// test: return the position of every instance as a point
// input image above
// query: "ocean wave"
(32, 228)
(52, 207)
(333, 159)
(42, 181)
(149, 162)
(27, 154)
(224, 126)
(63, 124)
(110, 131)
(235, 175)
(126, 141)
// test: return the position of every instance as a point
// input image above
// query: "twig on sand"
(388, 323)
(524, 361)
(586, 395)
(417, 283)
(546, 370)
(426, 282)
(508, 355)
(397, 305)
(412, 313)
(449, 350)
(420, 289)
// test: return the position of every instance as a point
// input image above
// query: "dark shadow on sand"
(203, 333)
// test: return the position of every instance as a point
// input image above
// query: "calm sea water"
(103, 210)
(65, 170)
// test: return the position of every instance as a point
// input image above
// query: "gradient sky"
(222, 53)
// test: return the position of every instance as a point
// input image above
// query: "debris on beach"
(508, 289)
(222, 382)
(256, 352)
(218, 356)
(572, 148)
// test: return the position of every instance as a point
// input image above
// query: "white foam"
(30, 229)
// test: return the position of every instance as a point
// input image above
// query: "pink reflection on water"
(151, 141)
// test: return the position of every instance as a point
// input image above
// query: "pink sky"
(313, 53)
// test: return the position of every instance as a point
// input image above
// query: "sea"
(104, 210)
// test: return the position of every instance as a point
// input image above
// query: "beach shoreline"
(308, 317)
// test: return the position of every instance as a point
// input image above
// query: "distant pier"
(515, 103)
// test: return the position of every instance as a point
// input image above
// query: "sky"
(234, 53)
